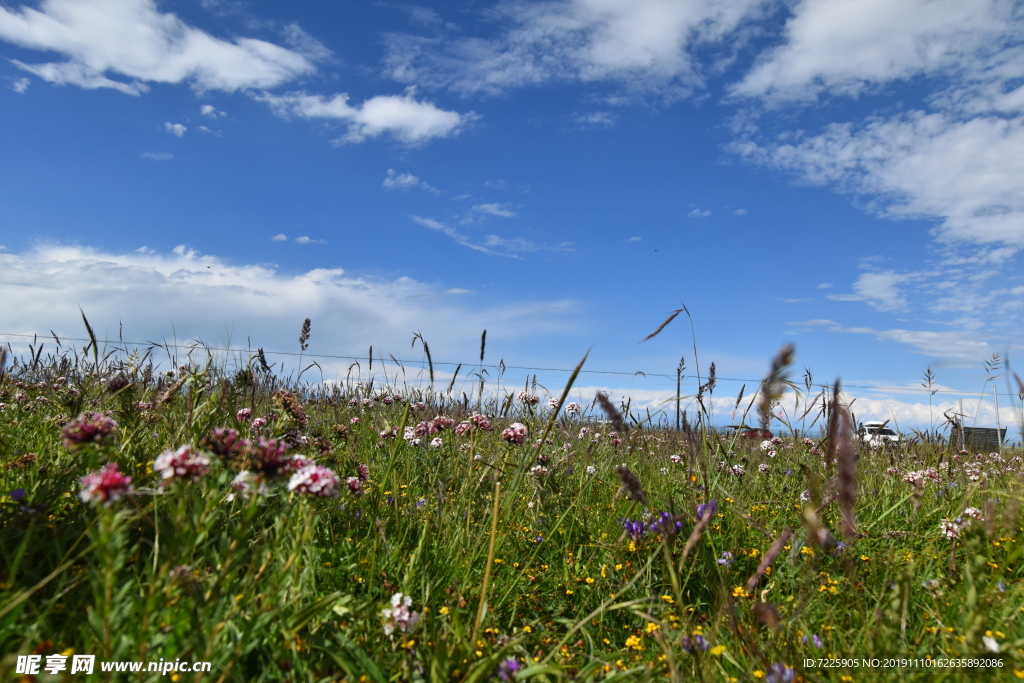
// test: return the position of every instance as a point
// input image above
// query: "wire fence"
(197, 345)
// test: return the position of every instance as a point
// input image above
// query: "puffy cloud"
(402, 116)
(879, 289)
(851, 46)
(191, 295)
(280, 237)
(405, 181)
(175, 129)
(132, 39)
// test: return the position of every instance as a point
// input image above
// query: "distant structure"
(977, 439)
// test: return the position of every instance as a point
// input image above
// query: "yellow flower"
(633, 642)
(443, 610)
(739, 592)
(846, 678)
(632, 547)
(807, 551)
(568, 591)
(604, 570)
(528, 629)
(70, 651)
(758, 674)
(717, 650)
(590, 580)
(408, 645)
(668, 599)
(865, 558)
(618, 567)
(651, 627)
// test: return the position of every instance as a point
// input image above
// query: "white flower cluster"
(398, 617)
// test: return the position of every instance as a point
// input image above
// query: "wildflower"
(224, 443)
(289, 403)
(554, 403)
(142, 407)
(808, 442)
(389, 433)
(244, 484)
(718, 650)
(529, 399)
(268, 455)
(460, 429)
(363, 471)
(244, 415)
(516, 433)
(508, 668)
(354, 485)
(708, 509)
(88, 428)
(726, 559)
(539, 471)
(737, 470)
(398, 615)
(949, 529)
(105, 485)
(183, 463)
(436, 442)
(974, 513)
(480, 422)
(353, 421)
(763, 468)
(634, 529)
(591, 470)
(572, 408)
(442, 422)
(420, 503)
(780, 673)
(805, 495)
(259, 422)
(676, 459)
(839, 549)
(294, 464)
(698, 644)
(315, 480)
(766, 445)
(739, 592)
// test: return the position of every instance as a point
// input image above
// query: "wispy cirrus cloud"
(405, 181)
(490, 244)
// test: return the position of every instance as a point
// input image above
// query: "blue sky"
(843, 175)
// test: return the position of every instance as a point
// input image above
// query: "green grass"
(499, 561)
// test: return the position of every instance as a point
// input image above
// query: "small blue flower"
(779, 673)
(726, 559)
(839, 549)
(1001, 586)
(709, 508)
(508, 668)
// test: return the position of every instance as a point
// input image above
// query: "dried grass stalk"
(612, 412)
(840, 445)
(774, 383)
(631, 484)
(768, 558)
(669, 319)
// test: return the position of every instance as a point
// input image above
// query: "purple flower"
(839, 549)
(634, 529)
(268, 455)
(508, 668)
(816, 640)
(398, 617)
(88, 428)
(244, 415)
(779, 673)
(183, 463)
(17, 495)
(224, 443)
(726, 559)
(709, 508)
(364, 472)
(697, 644)
(315, 480)
(105, 485)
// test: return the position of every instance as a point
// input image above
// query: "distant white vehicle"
(877, 434)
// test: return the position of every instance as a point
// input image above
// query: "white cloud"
(280, 237)
(405, 181)
(641, 43)
(456, 290)
(959, 348)
(20, 85)
(966, 174)
(195, 296)
(740, 212)
(454, 234)
(157, 156)
(175, 129)
(402, 116)
(211, 111)
(881, 290)
(848, 47)
(309, 240)
(500, 210)
(825, 285)
(132, 39)
(491, 244)
(635, 239)
(305, 44)
(698, 213)
(596, 119)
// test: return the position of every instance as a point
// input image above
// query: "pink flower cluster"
(105, 485)
(516, 433)
(398, 616)
(315, 480)
(572, 408)
(529, 399)
(244, 415)
(88, 428)
(475, 421)
(183, 463)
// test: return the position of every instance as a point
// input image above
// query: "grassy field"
(287, 532)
